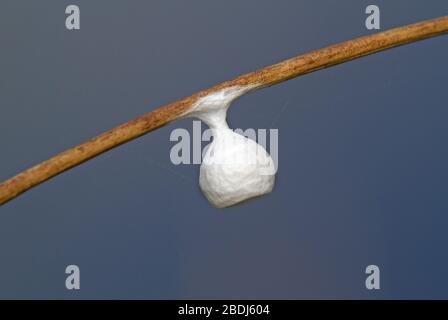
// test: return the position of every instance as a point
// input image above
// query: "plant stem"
(265, 77)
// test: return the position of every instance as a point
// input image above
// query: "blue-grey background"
(362, 153)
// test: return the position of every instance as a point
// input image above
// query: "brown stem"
(268, 76)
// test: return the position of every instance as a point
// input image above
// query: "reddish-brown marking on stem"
(265, 77)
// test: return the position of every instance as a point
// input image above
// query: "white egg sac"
(234, 168)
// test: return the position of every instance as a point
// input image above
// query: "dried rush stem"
(265, 77)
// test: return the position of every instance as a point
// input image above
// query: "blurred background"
(363, 153)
